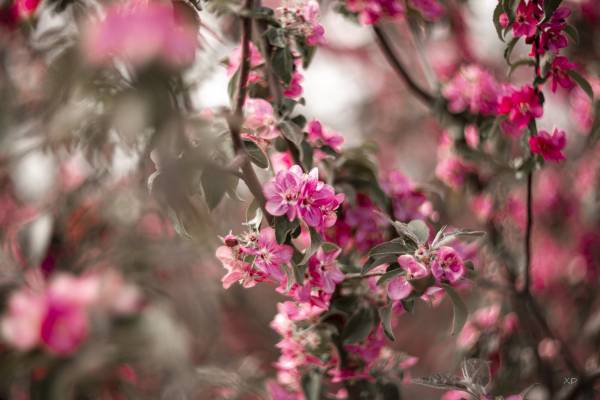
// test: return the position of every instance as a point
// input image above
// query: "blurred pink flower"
(472, 89)
(21, 325)
(431, 9)
(139, 33)
(260, 119)
(319, 136)
(550, 147)
(256, 59)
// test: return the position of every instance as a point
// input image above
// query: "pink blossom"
(559, 72)
(521, 106)
(260, 119)
(472, 89)
(318, 202)
(294, 88)
(553, 40)
(453, 171)
(526, 19)
(140, 32)
(399, 287)
(431, 9)
(408, 202)
(293, 193)
(21, 325)
(550, 147)
(256, 59)
(283, 192)
(504, 20)
(371, 11)
(314, 31)
(302, 18)
(447, 266)
(319, 136)
(270, 256)
(324, 271)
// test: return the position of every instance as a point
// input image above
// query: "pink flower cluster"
(140, 32)
(371, 11)
(257, 74)
(487, 321)
(296, 194)
(303, 19)
(320, 137)
(255, 257)
(360, 227)
(444, 264)
(407, 200)
(521, 106)
(56, 315)
(472, 89)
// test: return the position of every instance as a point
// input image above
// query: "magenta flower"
(447, 266)
(283, 192)
(65, 326)
(318, 202)
(472, 89)
(294, 88)
(313, 30)
(430, 9)
(550, 147)
(553, 40)
(521, 107)
(256, 59)
(260, 119)
(399, 287)
(319, 136)
(270, 255)
(559, 73)
(526, 19)
(237, 269)
(324, 271)
(140, 33)
(371, 11)
(21, 325)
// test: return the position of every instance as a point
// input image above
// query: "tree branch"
(394, 60)
(236, 119)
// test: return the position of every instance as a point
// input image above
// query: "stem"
(528, 229)
(362, 276)
(236, 120)
(394, 60)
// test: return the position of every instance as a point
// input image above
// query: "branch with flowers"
(104, 264)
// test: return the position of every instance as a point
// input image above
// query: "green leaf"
(307, 52)
(315, 243)
(389, 275)
(448, 238)
(215, 184)
(373, 262)
(256, 154)
(359, 326)
(232, 85)
(520, 63)
(509, 49)
(459, 310)
(582, 82)
(440, 381)
(311, 386)
(499, 10)
(573, 33)
(275, 37)
(405, 233)
(385, 314)
(292, 132)
(284, 227)
(420, 230)
(282, 61)
(394, 247)
(550, 6)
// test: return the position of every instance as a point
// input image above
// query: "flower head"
(559, 71)
(550, 147)
(521, 106)
(447, 266)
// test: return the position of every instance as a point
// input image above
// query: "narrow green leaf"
(583, 83)
(394, 247)
(282, 61)
(499, 10)
(385, 314)
(311, 386)
(257, 156)
(283, 228)
(509, 48)
(573, 33)
(389, 275)
(420, 230)
(460, 311)
(373, 262)
(550, 6)
(519, 63)
(359, 326)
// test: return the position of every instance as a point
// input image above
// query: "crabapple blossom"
(256, 75)
(526, 19)
(549, 146)
(520, 106)
(269, 255)
(447, 265)
(140, 32)
(260, 119)
(399, 287)
(472, 89)
(324, 271)
(559, 72)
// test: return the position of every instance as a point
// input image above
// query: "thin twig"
(236, 119)
(394, 60)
